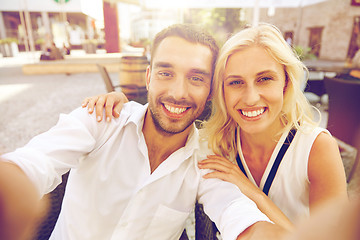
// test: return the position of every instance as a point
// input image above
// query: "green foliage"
(8, 40)
(40, 41)
(220, 22)
(304, 53)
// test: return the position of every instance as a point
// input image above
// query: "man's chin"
(171, 130)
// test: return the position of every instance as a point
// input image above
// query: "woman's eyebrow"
(266, 72)
(233, 77)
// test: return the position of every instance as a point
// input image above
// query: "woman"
(257, 105)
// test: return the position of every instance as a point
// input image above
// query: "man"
(137, 177)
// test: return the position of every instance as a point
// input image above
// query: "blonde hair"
(220, 128)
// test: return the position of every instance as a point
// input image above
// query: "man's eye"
(197, 79)
(164, 74)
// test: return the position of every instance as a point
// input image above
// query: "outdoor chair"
(132, 91)
(344, 114)
(55, 201)
(205, 229)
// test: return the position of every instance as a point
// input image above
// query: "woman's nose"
(251, 95)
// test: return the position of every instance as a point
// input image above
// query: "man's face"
(178, 83)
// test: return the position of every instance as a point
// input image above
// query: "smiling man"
(137, 177)
(177, 92)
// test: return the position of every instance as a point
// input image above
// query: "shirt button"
(124, 224)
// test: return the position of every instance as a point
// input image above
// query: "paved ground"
(32, 104)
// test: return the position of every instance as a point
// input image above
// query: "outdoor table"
(315, 83)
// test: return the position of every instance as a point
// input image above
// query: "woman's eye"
(235, 82)
(264, 79)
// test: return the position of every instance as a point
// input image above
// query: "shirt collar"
(137, 117)
(192, 142)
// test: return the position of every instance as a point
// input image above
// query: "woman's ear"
(286, 82)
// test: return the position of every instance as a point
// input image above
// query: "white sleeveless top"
(290, 188)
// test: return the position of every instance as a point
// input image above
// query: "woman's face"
(253, 90)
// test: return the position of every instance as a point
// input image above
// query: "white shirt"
(291, 185)
(111, 193)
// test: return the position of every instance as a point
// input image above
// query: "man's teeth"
(176, 110)
(253, 113)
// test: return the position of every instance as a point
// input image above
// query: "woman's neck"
(261, 144)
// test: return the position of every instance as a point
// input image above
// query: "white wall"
(93, 8)
(41, 5)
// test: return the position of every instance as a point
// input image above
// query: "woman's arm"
(227, 171)
(113, 103)
(326, 172)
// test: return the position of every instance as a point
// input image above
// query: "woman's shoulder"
(309, 131)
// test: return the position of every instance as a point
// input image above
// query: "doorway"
(355, 39)
(315, 40)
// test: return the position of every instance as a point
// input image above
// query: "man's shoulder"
(131, 108)
(204, 150)
(131, 112)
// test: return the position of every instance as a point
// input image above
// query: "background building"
(37, 23)
(329, 28)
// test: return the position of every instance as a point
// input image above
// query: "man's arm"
(263, 230)
(235, 215)
(20, 205)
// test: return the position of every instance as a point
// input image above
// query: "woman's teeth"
(253, 113)
(176, 110)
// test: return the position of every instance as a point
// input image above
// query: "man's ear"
(211, 92)
(210, 96)
(148, 74)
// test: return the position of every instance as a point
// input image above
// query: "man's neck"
(161, 145)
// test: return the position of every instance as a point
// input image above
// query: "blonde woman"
(262, 123)
(257, 105)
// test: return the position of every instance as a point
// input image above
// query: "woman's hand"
(227, 171)
(113, 103)
(230, 172)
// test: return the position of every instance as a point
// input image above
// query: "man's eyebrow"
(169, 65)
(200, 71)
(162, 65)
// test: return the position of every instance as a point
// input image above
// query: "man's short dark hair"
(191, 33)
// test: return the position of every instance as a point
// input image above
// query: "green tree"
(221, 22)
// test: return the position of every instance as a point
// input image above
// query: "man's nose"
(179, 88)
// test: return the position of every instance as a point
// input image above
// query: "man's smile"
(175, 109)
